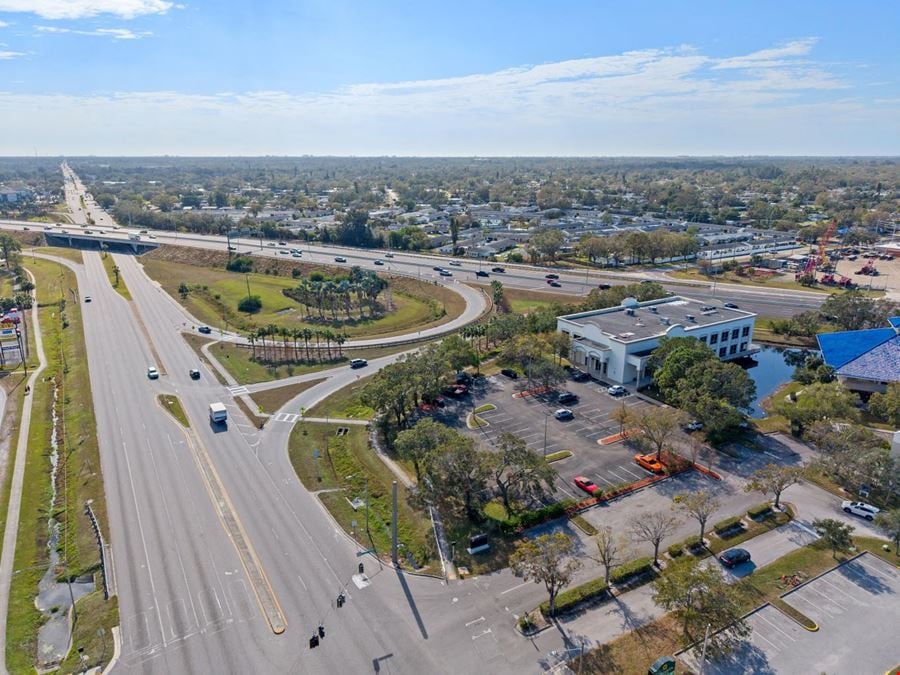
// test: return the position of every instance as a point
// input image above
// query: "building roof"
(630, 322)
(894, 321)
(839, 349)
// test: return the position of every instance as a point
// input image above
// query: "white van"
(218, 413)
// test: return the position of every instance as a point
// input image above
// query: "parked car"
(378, 262)
(616, 390)
(564, 414)
(860, 509)
(340, 258)
(195, 374)
(152, 373)
(730, 305)
(481, 273)
(650, 463)
(204, 329)
(87, 298)
(734, 556)
(510, 373)
(693, 425)
(498, 270)
(551, 276)
(566, 397)
(455, 390)
(358, 363)
(579, 375)
(586, 484)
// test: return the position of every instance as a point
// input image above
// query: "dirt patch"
(271, 400)
(29, 238)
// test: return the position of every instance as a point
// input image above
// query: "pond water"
(770, 368)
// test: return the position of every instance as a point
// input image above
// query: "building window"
(734, 334)
(723, 351)
(746, 331)
(702, 339)
(732, 349)
(714, 338)
(724, 336)
(743, 346)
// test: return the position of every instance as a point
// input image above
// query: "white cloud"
(80, 9)
(642, 102)
(115, 33)
(3, 24)
(7, 55)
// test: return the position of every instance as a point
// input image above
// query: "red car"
(586, 484)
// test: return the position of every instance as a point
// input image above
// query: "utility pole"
(394, 523)
(703, 651)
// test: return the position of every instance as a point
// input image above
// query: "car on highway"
(152, 373)
(446, 273)
(734, 556)
(498, 270)
(586, 484)
(860, 509)
(564, 414)
(650, 463)
(566, 397)
(284, 252)
(87, 298)
(730, 305)
(551, 276)
(340, 258)
(151, 236)
(481, 273)
(378, 262)
(232, 248)
(456, 263)
(437, 268)
(554, 283)
(388, 255)
(694, 425)
(281, 243)
(194, 373)
(510, 373)
(204, 329)
(604, 287)
(616, 390)
(296, 255)
(358, 363)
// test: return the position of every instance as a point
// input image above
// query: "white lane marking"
(474, 621)
(481, 634)
(617, 475)
(628, 472)
(509, 590)
(302, 582)
(791, 638)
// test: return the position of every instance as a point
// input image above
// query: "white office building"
(614, 344)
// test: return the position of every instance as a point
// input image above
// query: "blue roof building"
(864, 360)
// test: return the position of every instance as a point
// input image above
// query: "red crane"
(815, 260)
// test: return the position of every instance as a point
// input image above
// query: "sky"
(462, 78)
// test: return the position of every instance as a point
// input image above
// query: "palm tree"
(307, 336)
(340, 338)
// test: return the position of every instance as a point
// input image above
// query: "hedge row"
(631, 569)
(692, 543)
(541, 515)
(676, 550)
(728, 524)
(760, 510)
(568, 600)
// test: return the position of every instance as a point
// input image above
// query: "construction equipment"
(809, 269)
(868, 269)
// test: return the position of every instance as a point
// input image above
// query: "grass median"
(78, 477)
(115, 276)
(172, 405)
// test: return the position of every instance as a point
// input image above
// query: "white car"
(616, 390)
(152, 373)
(693, 425)
(456, 263)
(860, 509)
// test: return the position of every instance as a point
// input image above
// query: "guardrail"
(108, 586)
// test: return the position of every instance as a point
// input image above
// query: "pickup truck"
(134, 237)
(218, 413)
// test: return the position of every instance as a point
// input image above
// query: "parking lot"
(531, 419)
(857, 609)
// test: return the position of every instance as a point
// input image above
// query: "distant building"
(614, 344)
(864, 360)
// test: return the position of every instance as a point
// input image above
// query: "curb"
(117, 650)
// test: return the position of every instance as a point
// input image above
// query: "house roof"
(881, 363)
(839, 349)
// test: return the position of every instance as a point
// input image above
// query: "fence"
(108, 589)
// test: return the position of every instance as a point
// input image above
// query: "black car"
(730, 305)
(195, 374)
(498, 270)
(437, 268)
(567, 397)
(551, 276)
(481, 273)
(510, 373)
(604, 287)
(579, 375)
(204, 329)
(734, 556)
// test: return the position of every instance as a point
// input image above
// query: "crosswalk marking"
(238, 391)
(286, 417)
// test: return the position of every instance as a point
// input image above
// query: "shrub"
(240, 263)
(728, 524)
(693, 543)
(558, 455)
(759, 510)
(584, 525)
(632, 569)
(570, 599)
(676, 550)
(537, 516)
(251, 304)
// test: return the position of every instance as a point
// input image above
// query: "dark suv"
(567, 397)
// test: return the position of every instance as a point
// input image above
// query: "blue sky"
(440, 78)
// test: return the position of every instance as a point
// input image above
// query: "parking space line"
(813, 589)
(567, 491)
(879, 573)
(802, 597)
(604, 480)
(617, 475)
(595, 433)
(824, 580)
(775, 647)
(629, 472)
(791, 638)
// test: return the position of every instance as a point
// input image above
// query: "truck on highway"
(218, 413)
(134, 237)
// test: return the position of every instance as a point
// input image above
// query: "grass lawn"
(79, 475)
(172, 405)
(239, 362)
(92, 632)
(523, 301)
(342, 467)
(117, 282)
(6, 286)
(417, 304)
(271, 400)
(344, 403)
(73, 254)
